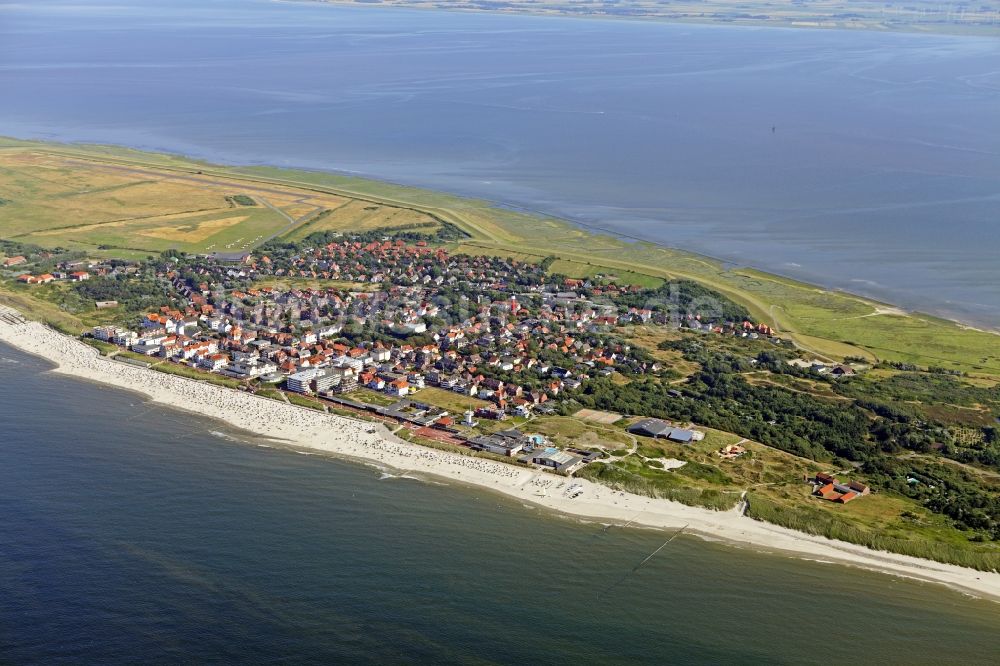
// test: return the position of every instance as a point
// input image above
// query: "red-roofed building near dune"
(827, 492)
(829, 488)
(14, 261)
(824, 478)
(79, 276)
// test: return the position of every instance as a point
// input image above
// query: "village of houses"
(415, 318)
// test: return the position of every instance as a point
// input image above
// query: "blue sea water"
(861, 160)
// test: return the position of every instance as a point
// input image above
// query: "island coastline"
(359, 441)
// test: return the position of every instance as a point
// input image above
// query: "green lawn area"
(575, 269)
(454, 403)
(570, 431)
(105, 348)
(303, 401)
(373, 398)
(172, 368)
(141, 358)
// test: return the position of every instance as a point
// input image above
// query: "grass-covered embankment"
(820, 523)
(633, 477)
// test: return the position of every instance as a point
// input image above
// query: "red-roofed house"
(398, 387)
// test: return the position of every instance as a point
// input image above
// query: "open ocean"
(133, 533)
(858, 160)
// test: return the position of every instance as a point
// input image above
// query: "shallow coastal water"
(132, 532)
(864, 161)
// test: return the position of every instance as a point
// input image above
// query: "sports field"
(597, 416)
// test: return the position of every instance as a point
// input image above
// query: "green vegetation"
(134, 293)
(135, 356)
(75, 199)
(373, 397)
(816, 521)
(573, 432)
(192, 373)
(273, 394)
(41, 310)
(105, 348)
(574, 269)
(454, 403)
(888, 436)
(632, 476)
(302, 401)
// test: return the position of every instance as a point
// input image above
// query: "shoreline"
(359, 441)
(797, 23)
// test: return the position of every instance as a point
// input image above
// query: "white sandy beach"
(310, 429)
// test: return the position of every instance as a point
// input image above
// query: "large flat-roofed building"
(651, 428)
(658, 429)
(326, 380)
(504, 443)
(560, 461)
(301, 382)
(681, 435)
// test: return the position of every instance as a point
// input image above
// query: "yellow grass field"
(55, 199)
(597, 416)
(353, 215)
(194, 233)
